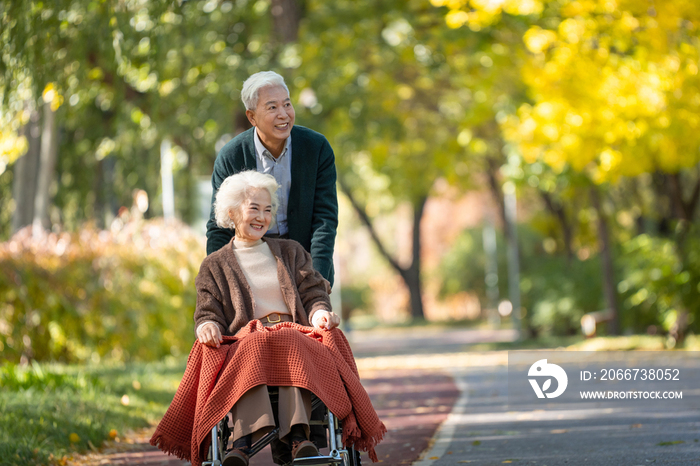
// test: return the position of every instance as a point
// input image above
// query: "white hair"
(252, 86)
(235, 190)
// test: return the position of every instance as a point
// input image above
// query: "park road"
(486, 428)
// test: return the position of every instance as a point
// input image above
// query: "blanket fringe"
(352, 435)
(181, 451)
(368, 443)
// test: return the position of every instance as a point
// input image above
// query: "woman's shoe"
(235, 457)
(303, 449)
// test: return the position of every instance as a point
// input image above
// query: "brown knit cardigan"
(224, 295)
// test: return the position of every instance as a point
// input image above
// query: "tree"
(406, 101)
(613, 91)
(129, 75)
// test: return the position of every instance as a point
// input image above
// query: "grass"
(50, 411)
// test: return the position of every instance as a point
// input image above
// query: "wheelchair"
(338, 454)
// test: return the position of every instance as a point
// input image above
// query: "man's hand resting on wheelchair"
(325, 320)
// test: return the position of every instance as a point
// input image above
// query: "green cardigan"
(312, 210)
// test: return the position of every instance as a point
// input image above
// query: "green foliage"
(464, 266)
(124, 76)
(95, 294)
(661, 281)
(402, 96)
(555, 293)
(42, 406)
(657, 282)
(354, 298)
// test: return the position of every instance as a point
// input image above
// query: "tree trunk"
(684, 209)
(286, 15)
(47, 165)
(111, 207)
(410, 275)
(511, 226)
(497, 191)
(98, 206)
(609, 287)
(664, 204)
(25, 176)
(189, 202)
(558, 211)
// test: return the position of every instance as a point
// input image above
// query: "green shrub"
(660, 282)
(555, 291)
(122, 295)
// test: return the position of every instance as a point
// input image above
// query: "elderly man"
(302, 162)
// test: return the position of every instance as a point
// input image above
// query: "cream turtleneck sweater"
(260, 269)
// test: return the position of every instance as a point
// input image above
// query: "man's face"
(273, 117)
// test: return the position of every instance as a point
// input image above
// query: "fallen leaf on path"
(675, 442)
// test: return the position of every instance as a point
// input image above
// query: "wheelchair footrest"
(314, 460)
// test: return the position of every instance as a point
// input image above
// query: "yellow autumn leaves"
(477, 14)
(614, 85)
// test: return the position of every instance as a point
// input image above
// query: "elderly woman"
(271, 280)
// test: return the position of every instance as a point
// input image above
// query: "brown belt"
(275, 318)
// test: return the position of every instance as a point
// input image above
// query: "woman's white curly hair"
(235, 190)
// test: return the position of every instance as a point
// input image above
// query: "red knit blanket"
(287, 354)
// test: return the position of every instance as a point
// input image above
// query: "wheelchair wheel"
(217, 450)
(353, 458)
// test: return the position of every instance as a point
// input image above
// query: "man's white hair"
(252, 86)
(235, 190)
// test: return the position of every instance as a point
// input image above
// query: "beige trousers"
(252, 413)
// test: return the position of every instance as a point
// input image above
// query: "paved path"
(422, 341)
(483, 431)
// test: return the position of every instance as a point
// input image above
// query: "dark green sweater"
(312, 210)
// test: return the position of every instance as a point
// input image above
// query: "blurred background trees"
(586, 109)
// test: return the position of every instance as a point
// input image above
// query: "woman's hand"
(210, 335)
(325, 320)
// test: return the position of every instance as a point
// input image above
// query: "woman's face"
(253, 216)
